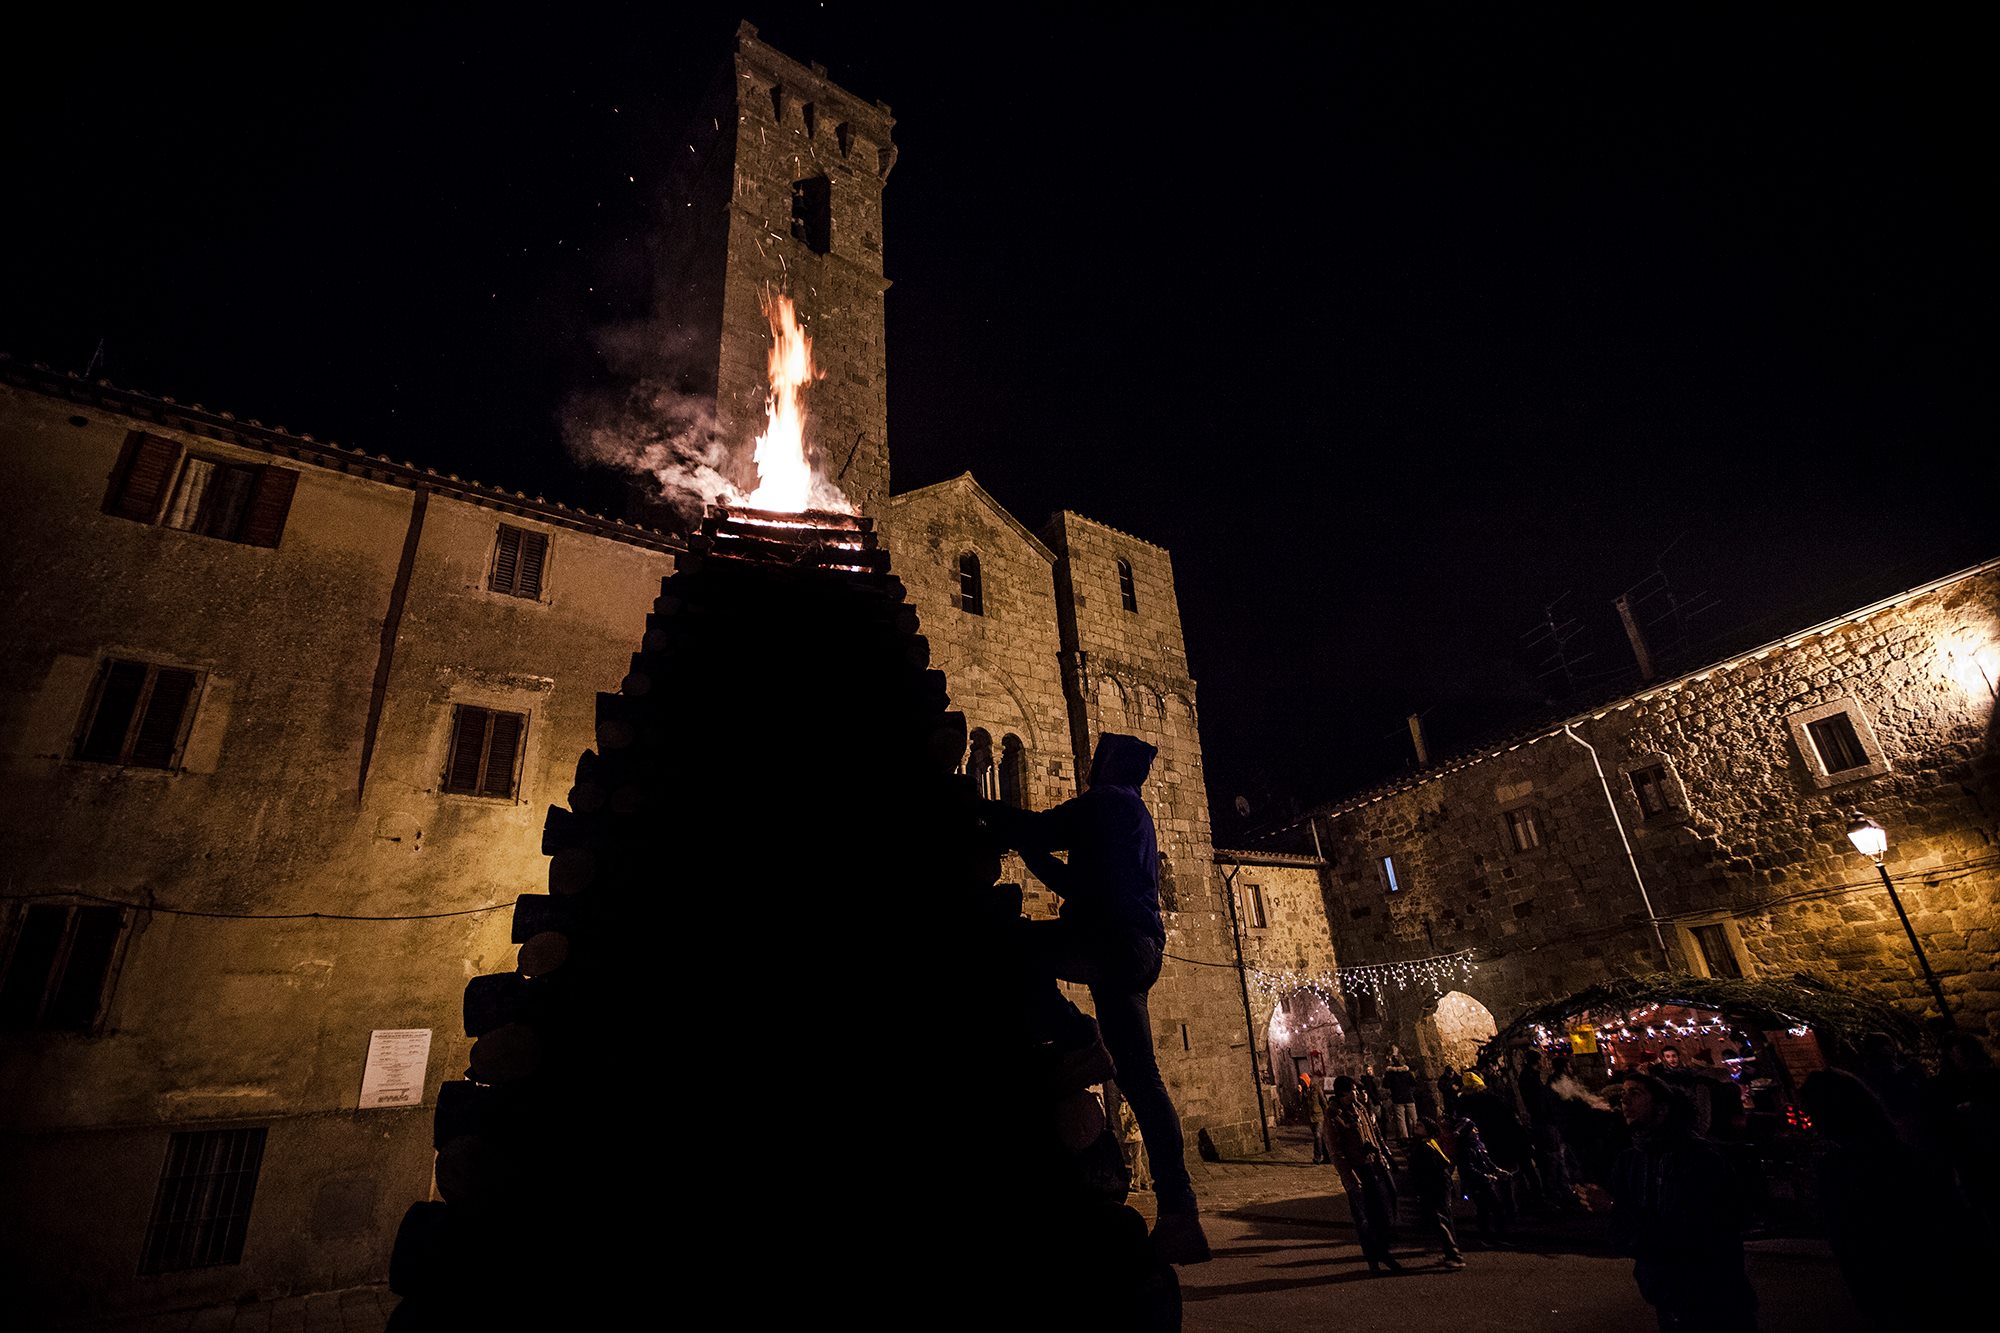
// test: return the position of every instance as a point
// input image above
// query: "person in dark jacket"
(1678, 1211)
(1905, 1240)
(1110, 937)
(1364, 1173)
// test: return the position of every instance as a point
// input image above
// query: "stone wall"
(1292, 944)
(1001, 664)
(1126, 670)
(781, 123)
(1749, 833)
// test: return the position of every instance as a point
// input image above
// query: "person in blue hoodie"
(1110, 937)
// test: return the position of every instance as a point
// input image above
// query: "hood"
(1120, 761)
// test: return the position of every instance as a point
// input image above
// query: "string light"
(1439, 973)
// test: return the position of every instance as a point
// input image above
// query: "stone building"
(1285, 948)
(1732, 786)
(280, 720)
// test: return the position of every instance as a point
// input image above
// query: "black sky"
(1393, 324)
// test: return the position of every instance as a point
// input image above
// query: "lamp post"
(1872, 841)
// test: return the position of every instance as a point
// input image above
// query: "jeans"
(1119, 971)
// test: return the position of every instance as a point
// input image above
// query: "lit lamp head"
(1869, 838)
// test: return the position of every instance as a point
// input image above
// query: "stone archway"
(1453, 1030)
(1301, 1026)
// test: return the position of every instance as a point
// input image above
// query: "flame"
(786, 481)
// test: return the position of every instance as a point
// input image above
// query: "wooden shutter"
(139, 483)
(502, 750)
(507, 559)
(468, 744)
(160, 729)
(534, 552)
(270, 503)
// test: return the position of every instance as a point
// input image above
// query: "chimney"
(1417, 739)
(1638, 639)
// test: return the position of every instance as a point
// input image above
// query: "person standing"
(1401, 1085)
(1364, 1173)
(1678, 1211)
(1111, 938)
(1431, 1175)
(1448, 1086)
(1315, 1108)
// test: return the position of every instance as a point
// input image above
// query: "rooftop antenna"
(1557, 634)
(96, 360)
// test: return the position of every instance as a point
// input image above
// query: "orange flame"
(785, 479)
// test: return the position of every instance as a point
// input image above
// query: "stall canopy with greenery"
(1838, 1016)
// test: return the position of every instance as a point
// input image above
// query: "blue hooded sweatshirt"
(1111, 885)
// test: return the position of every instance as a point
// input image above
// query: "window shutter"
(139, 482)
(506, 559)
(501, 754)
(160, 729)
(270, 504)
(468, 740)
(534, 551)
(117, 696)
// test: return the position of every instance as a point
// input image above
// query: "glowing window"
(1389, 874)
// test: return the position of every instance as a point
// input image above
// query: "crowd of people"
(1905, 1167)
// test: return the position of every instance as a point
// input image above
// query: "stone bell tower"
(786, 196)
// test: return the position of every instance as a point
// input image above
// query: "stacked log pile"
(764, 1051)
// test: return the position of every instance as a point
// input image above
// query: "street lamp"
(1872, 841)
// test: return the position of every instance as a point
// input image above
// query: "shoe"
(1179, 1239)
(1454, 1264)
(1392, 1266)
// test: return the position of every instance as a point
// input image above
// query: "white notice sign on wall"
(397, 1059)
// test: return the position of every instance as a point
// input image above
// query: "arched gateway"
(1454, 1029)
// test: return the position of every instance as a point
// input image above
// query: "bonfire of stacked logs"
(764, 1051)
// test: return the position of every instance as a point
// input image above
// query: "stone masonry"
(1736, 811)
(786, 197)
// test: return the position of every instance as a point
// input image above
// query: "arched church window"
(1013, 773)
(979, 764)
(971, 596)
(1127, 593)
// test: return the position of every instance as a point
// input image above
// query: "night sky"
(1395, 327)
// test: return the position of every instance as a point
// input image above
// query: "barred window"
(485, 752)
(202, 1211)
(1649, 785)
